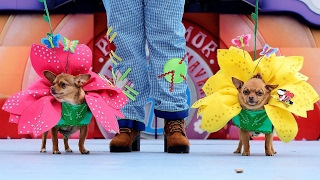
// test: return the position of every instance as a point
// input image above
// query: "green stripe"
(131, 90)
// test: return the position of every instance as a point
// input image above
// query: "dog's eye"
(259, 93)
(63, 85)
(246, 92)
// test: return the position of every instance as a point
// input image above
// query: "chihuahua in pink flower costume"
(36, 111)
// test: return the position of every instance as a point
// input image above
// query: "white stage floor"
(208, 159)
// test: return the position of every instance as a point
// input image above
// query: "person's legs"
(127, 19)
(166, 40)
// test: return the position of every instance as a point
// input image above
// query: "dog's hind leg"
(83, 136)
(239, 148)
(274, 152)
(245, 138)
(66, 145)
(54, 137)
(44, 142)
(268, 145)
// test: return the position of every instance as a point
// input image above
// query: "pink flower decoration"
(36, 110)
(241, 41)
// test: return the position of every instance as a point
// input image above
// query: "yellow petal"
(234, 65)
(308, 91)
(204, 101)
(284, 123)
(300, 101)
(279, 60)
(291, 65)
(297, 78)
(242, 53)
(201, 109)
(198, 103)
(217, 82)
(228, 94)
(216, 115)
(304, 98)
(264, 67)
(294, 108)
(201, 102)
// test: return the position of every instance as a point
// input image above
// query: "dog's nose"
(52, 90)
(251, 98)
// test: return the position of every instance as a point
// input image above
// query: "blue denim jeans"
(159, 24)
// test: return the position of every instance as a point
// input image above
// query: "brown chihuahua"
(66, 88)
(253, 95)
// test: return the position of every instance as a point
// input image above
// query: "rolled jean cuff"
(132, 124)
(171, 116)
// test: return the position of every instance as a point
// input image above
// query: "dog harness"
(255, 121)
(75, 115)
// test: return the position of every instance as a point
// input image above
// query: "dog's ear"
(271, 87)
(49, 75)
(237, 82)
(81, 79)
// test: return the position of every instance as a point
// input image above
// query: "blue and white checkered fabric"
(158, 22)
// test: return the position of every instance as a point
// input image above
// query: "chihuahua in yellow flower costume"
(222, 104)
(252, 96)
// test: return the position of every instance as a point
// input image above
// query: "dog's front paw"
(246, 153)
(56, 152)
(43, 150)
(270, 153)
(69, 150)
(237, 151)
(84, 151)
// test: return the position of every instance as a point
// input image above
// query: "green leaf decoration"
(254, 17)
(46, 18)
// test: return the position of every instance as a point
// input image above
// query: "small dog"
(253, 95)
(66, 88)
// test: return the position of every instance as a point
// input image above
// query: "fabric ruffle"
(221, 102)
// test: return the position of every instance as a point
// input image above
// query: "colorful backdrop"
(205, 33)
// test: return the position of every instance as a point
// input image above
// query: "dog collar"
(255, 121)
(75, 115)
